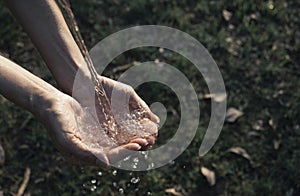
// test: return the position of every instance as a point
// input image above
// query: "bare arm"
(25, 89)
(45, 24)
(57, 112)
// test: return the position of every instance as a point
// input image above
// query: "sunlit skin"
(45, 25)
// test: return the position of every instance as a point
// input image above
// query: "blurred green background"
(256, 46)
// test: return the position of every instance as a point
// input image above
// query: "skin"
(45, 25)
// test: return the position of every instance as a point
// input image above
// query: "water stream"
(122, 131)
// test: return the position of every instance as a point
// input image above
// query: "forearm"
(25, 89)
(45, 24)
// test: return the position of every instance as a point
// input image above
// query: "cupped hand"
(126, 102)
(129, 116)
(69, 126)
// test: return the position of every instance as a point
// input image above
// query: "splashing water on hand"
(109, 132)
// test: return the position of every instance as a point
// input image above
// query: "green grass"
(257, 51)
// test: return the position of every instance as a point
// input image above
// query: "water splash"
(135, 180)
(93, 188)
(121, 190)
(95, 136)
(114, 173)
(119, 132)
(93, 181)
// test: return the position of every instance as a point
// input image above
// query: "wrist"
(41, 104)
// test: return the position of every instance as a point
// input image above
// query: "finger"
(149, 126)
(122, 152)
(150, 115)
(150, 139)
(140, 141)
(136, 103)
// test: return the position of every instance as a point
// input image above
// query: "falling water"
(89, 129)
(120, 132)
(101, 97)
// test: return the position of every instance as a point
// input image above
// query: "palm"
(122, 113)
(68, 127)
(134, 108)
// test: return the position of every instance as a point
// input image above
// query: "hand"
(68, 125)
(137, 108)
(128, 115)
(64, 58)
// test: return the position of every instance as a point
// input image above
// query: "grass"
(257, 51)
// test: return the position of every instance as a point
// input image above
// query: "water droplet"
(114, 172)
(145, 153)
(135, 180)
(126, 159)
(115, 184)
(150, 166)
(270, 5)
(93, 188)
(149, 193)
(121, 190)
(93, 181)
(127, 117)
(172, 162)
(99, 173)
(136, 160)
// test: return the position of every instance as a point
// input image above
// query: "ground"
(256, 46)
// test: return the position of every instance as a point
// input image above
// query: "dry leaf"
(240, 151)
(271, 123)
(233, 114)
(229, 39)
(121, 68)
(227, 15)
(206, 96)
(258, 125)
(125, 67)
(254, 16)
(210, 175)
(220, 97)
(173, 192)
(25, 182)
